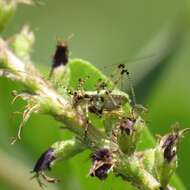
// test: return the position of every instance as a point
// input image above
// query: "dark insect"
(43, 163)
(61, 56)
(102, 163)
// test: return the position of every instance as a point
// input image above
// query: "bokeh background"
(153, 36)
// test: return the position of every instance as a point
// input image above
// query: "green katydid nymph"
(99, 101)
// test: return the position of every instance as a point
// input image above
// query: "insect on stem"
(61, 55)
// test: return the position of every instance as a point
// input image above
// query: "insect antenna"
(124, 70)
(134, 102)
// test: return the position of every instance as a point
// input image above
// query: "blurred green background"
(105, 32)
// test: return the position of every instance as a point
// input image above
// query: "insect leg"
(87, 119)
(131, 88)
(49, 179)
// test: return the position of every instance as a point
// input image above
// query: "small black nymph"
(43, 163)
(61, 55)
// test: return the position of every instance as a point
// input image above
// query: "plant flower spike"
(75, 102)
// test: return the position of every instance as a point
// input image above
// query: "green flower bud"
(22, 43)
(166, 155)
(129, 134)
(66, 149)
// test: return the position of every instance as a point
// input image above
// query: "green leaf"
(82, 69)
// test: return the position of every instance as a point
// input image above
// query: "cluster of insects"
(104, 99)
